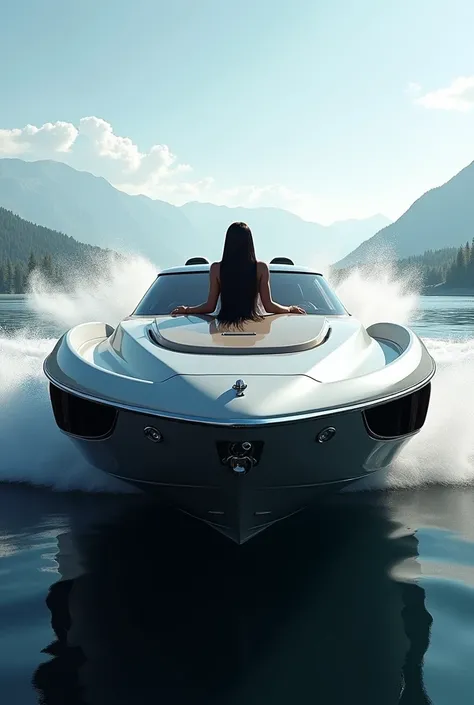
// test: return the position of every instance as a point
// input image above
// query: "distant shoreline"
(443, 290)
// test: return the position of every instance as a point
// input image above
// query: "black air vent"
(80, 417)
(400, 417)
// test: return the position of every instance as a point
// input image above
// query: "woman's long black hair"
(238, 277)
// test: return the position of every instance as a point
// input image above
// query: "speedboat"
(240, 428)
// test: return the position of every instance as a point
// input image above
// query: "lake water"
(367, 600)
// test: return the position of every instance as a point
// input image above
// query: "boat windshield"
(310, 291)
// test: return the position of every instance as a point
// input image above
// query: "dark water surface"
(445, 316)
(367, 600)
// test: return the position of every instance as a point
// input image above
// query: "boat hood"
(320, 347)
(290, 364)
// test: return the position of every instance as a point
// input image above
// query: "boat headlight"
(326, 434)
(153, 434)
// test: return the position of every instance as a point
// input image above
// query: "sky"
(333, 110)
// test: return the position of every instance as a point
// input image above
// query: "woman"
(238, 278)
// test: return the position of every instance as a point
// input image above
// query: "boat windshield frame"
(148, 305)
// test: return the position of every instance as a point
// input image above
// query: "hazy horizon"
(210, 203)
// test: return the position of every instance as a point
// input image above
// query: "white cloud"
(50, 138)
(140, 168)
(93, 146)
(109, 145)
(459, 96)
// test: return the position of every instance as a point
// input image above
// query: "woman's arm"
(266, 296)
(210, 305)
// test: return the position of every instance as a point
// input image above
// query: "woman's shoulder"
(262, 267)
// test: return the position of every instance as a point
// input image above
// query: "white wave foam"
(34, 451)
(443, 451)
(108, 296)
(377, 294)
(32, 448)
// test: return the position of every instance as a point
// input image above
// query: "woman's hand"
(180, 311)
(297, 309)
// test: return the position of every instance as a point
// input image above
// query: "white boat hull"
(243, 427)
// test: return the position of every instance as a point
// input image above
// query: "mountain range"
(25, 247)
(92, 211)
(442, 217)
(279, 232)
(19, 240)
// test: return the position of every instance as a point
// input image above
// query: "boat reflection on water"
(310, 612)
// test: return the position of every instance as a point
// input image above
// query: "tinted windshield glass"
(310, 291)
